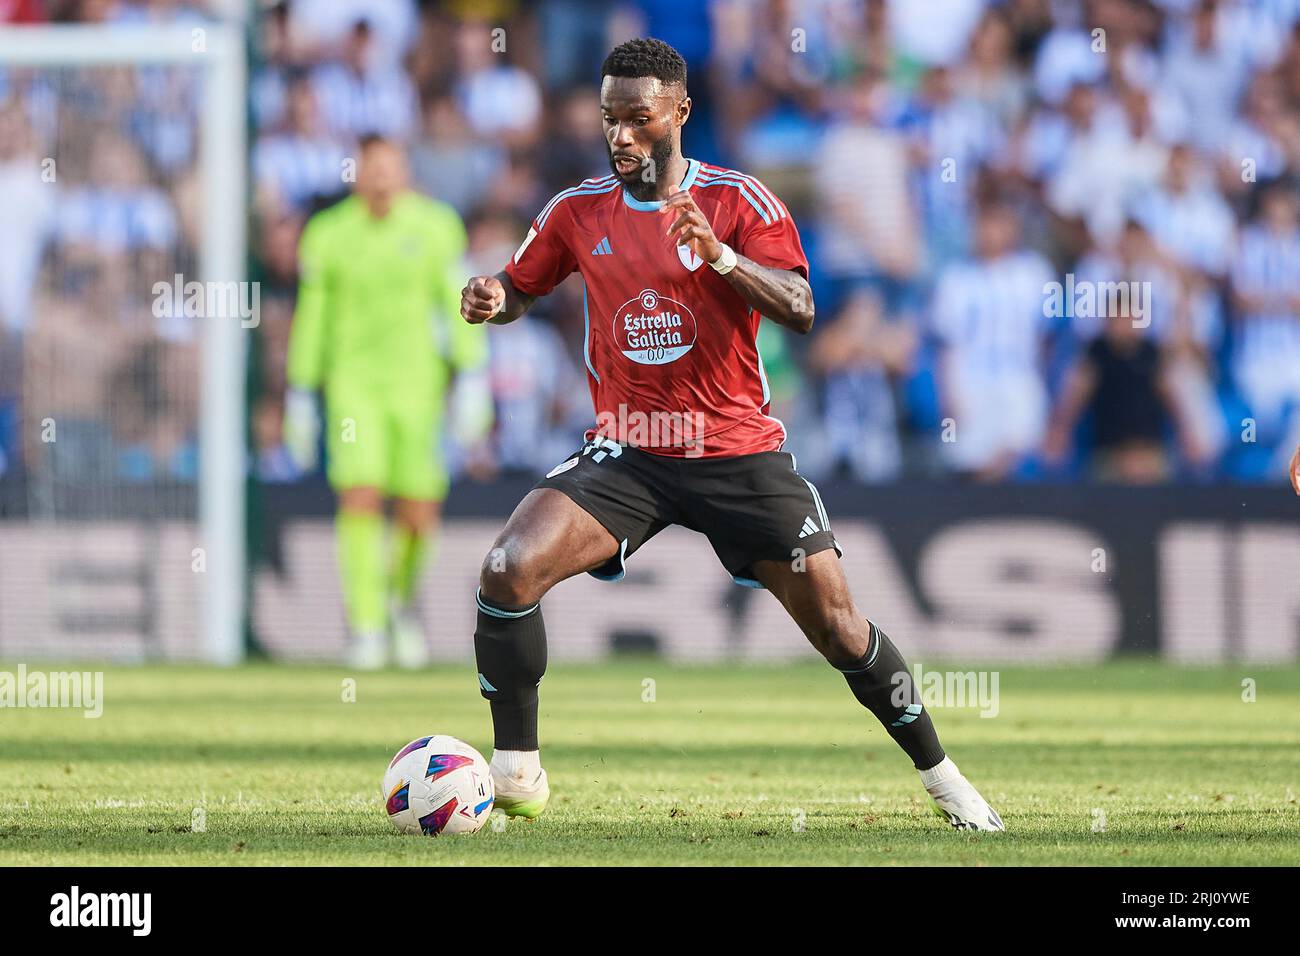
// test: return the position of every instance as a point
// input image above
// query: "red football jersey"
(670, 349)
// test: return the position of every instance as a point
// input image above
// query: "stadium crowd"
(1048, 240)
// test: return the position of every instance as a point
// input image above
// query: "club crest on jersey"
(689, 259)
(654, 330)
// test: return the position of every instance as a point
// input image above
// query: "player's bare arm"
(493, 299)
(780, 294)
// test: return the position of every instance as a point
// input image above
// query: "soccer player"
(376, 328)
(680, 261)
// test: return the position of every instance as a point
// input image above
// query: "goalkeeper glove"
(471, 408)
(301, 428)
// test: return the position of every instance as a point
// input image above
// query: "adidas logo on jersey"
(809, 527)
(602, 248)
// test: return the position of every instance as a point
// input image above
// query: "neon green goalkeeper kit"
(378, 329)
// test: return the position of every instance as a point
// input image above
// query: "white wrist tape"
(725, 262)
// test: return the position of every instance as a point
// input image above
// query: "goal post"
(216, 55)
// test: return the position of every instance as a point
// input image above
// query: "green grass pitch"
(1123, 764)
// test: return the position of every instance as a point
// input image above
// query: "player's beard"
(641, 183)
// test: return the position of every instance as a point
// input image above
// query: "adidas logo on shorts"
(809, 527)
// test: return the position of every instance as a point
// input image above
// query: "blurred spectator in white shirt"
(1263, 141)
(1049, 136)
(860, 177)
(28, 203)
(1188, 217)
(1207, 69)
(323, 28)
(365, 92)
(1069, 56)
(936, 32)
(499, 99)
(302, 163)
(1106, 169)
(1266, 294)
(989, 318)
(989, 74)
(951, 137)
(118, 212)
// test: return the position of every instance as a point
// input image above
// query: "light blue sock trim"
(498, 612)
(871, 658)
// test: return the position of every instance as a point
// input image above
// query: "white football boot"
(520, 783)
(409, 647)
(957, 800)
(368, 651)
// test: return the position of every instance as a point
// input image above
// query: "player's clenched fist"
(481, 299)
(1295, 470)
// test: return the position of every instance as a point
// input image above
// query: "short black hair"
(646, 57)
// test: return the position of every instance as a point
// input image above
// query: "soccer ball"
(438, 785)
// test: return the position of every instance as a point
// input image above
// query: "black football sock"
(510, 648)
(881, 682)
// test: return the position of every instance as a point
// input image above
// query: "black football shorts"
(750, 507)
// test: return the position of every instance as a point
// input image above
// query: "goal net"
(122, 247)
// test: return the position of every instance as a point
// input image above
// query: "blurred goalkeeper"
(377, 331)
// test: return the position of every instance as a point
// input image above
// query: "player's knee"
(415, 515)
(510, 576)
(361, 499)
(840, 636)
